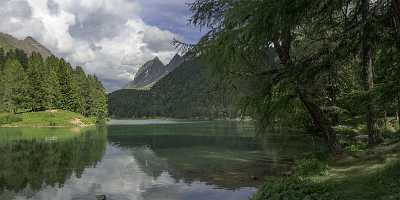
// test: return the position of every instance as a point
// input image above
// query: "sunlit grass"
(57, 118)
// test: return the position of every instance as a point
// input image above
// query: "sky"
(109, 38)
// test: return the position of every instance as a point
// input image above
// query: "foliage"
(37, 84)
(357, 147)
(380, 184)
(310, 166)
(293, 188)
(309, 62)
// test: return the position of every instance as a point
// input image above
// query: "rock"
(254, 178)
(101, 197)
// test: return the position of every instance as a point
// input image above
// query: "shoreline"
(40, 126)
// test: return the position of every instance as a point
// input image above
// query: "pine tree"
(83, 85)
(13, 86)
(98, 98)
(70, 99)
(2, 58)
(52, 65)
(39, 84)
(22, 57)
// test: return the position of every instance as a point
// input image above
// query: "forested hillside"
(34, 83)
(187, 92)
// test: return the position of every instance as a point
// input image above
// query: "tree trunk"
(396, 11)
(398, 111)
(282, 46)
(320, 121)
(374, 136)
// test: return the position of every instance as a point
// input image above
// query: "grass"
(55, 118)
(373, 175)
(6, 118)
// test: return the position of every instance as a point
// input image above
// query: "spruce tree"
(98, 99)
(52, 65)
(2, 58)
(13, 86)
(39, 84)
(70, 99)
(22, 57)
(83, 85)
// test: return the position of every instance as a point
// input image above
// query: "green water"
(144, 160)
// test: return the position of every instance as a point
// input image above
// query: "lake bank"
(46, 119)
(372, 174)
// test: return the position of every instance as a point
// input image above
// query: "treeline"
(187, 92)
(33, 83)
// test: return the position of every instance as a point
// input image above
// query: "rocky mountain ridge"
(153, 71)
(28, 45)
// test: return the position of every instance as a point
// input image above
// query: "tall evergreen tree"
(97, 98)
(22, 57)
(2, 58)
(13, 83)
(39, 91)
(83, 85)
(246, 38)
(70, 99)
(51, 67)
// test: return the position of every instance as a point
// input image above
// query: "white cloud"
(106, 37)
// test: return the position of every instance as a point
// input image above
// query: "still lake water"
(144, 160)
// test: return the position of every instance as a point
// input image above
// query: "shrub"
(358, 147)
(293, 188)
(311, 166)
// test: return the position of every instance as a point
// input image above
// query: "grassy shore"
(373, 174)
(51, 118)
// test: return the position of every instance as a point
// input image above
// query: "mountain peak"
(152, 71)
(157, 60)
(28, 45)
(175, 62)
(29, 38)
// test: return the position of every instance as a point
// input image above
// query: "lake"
(145, 160)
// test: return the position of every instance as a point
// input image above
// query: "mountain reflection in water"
(144, 161)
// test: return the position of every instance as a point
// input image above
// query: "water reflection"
(149, 161)
(223, 154)
(30, 161)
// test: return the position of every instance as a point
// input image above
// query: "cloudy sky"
(109, 38)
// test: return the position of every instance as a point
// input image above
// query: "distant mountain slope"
(187, 92)
(152, 71)
(29, 45)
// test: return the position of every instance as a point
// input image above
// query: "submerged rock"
(101, 197)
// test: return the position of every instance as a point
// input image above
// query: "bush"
(311, 166)
(9, 118)
(382, 184)
(293, 188)
(358, 147)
